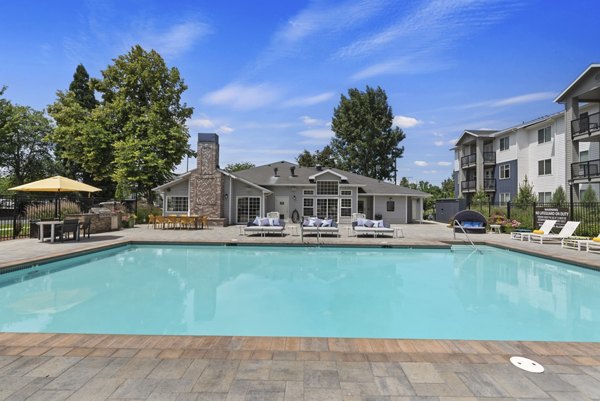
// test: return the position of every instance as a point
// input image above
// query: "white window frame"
(504, 143)
(346, 192)
(251, 216)
(329, 202)
(545, 134)
(304, 207)
(544, 197)
(308, 192)
(544, 167)
(504, 172)
(504, 197)
(345, 211)
(171, 200)
(328, 185)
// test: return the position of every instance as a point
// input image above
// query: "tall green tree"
(365, 141)
(136, 136)
(324, 157)
(24, 154)
(233, 167)
(447, 190)
(589, 196)
(82, 88)
(559, 196)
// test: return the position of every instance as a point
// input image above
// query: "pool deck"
(116, 367)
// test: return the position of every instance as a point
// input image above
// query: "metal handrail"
(457, 224)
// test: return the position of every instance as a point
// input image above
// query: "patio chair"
(86, 226)
(68, 227)
(151, 220)
(593, 245)
(264, 226)
(566, 232)
(579, 243)
(545, 228)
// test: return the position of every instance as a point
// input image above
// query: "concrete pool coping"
(58, 366)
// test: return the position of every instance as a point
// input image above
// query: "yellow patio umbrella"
(56, 184)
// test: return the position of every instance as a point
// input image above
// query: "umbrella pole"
(56, 206)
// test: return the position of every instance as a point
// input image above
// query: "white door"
(282, 206)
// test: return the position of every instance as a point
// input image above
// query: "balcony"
(489, 185)
(586, 127)
(586, 170)
(489, 157)
(468, 186)
(468, 161)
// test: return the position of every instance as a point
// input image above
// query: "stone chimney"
(206, 182)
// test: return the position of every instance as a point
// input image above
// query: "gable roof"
(561, 98)
(264, 176)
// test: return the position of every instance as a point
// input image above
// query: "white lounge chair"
(578, 243)
(566, 232)
(546, 228)
(592, 246)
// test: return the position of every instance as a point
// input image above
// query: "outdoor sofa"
(371, 227)
(469, 221)
(265, 225)
(314, 225)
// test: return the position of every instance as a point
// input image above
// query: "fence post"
(508, 210)
(534, 216)
(15, 212)
(489, 206)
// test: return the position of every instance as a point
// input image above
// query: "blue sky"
(266, 75)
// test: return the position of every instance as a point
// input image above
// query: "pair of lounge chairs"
(265, 225)
(314, 225)
(544, 233)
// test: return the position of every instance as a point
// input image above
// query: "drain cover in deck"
(526, 364)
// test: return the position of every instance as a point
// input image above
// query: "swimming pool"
(313, 292)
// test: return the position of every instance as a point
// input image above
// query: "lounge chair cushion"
(596, 239)
(361, 222)
(369, 223)
(327, 223)
(538, 231)
(264, 222)
(378, 224)
(274, 222)
(256, 221)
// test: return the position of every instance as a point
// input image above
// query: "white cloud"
(527, 98)
(310, 121)
(309, 100)
(429, 171)
(243, 97)
(176, 40)
(421, 163)
(406, 122)
(439, 143)
(200, 123)
(317, 133)
(444, 164)
(225, 129)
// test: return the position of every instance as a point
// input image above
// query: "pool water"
(298, 291)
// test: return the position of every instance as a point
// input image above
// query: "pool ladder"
(457, 224)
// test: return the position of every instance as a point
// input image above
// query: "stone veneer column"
(206, 182)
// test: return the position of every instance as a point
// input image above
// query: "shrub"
(46, 210)
(145, 209)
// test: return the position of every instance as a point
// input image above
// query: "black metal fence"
(19, 212)
(531, 215)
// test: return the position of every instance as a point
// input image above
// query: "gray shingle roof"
(265, 177)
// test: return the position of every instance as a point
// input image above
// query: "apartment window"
(584, 156)
(248, 207)
(504, 143)
(544, 135)
(308, 208)
(545, 167)
(544, 197)
(308, 192)
(505, 171)
(346, 192)
(177, 204)
(327, 208)
(327, 187)
(346, 207)
(390, 206)
(504, 198)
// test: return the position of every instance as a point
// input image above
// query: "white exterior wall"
(398, 216)
(179, 189)
(506, 155)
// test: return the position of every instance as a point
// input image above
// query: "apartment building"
(561, 149)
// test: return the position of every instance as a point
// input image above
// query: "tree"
(526, 194)
(559, 196)
(82, 88)
(448, 188)
(233, 167)
(365, 140)
(589, 196)
(24, 155)
(136, 136)
(323, 157)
